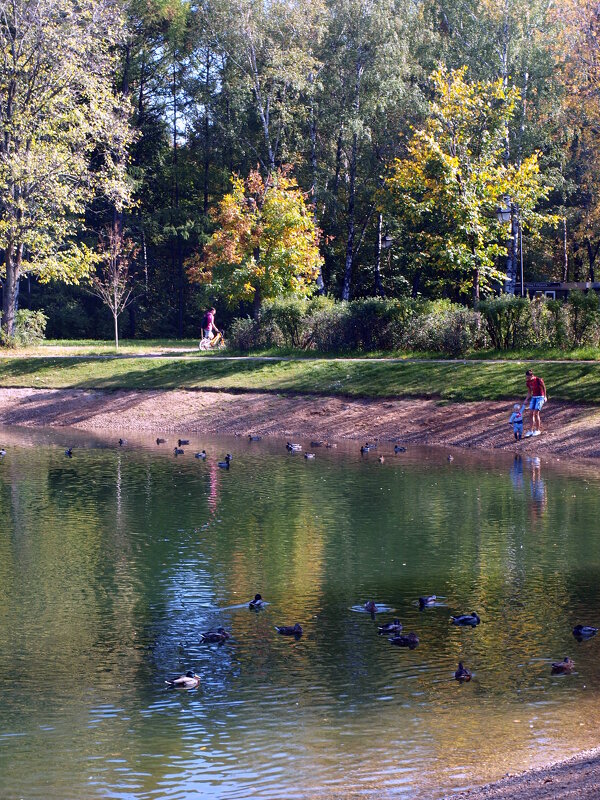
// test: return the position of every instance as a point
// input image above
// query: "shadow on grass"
(453, 381)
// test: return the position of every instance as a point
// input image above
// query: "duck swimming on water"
(161, 441)
(428, 600)
(290, 630)
(69, 452)
(411, 640)
(257, 603)
(584, 631)
(178, 451)
(224, 464)
(370, 607)
(399, 449)
(188, 681)
(215, 636)
(564, 667)
(471, 619)
(462, 674)
(201, 454)
(181, 442)
(390, 627)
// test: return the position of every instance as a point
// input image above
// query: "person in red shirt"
(536, 397)
(208, 324)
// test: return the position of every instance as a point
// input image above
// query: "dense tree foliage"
(266, 244)
(342, 91)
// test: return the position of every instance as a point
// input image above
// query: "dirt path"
(572, 431)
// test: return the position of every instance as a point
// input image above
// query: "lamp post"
(509, 212)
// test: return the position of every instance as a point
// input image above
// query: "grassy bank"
(453, 381)
(189, 347)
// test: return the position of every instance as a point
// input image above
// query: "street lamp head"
(386, 242)
(504, 212)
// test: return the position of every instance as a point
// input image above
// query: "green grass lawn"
(452, 381)
(188, 347)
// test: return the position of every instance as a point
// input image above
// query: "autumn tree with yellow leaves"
(445, 191)
(265, 244)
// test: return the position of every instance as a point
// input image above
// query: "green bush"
(30, 329)
(288, 315)
(452, 330)
(584, 317)
(508, 321)
(247, 334)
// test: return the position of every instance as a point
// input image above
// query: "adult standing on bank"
(536, 397)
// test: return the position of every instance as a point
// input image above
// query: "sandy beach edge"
(575, 778)
(571, 431)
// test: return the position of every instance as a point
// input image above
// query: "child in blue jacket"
(516, 420)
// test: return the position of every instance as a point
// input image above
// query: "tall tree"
(447, 188)
(266, 244)
(63, 135)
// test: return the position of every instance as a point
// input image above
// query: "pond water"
(114, 561)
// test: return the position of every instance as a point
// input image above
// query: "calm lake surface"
(114, 561)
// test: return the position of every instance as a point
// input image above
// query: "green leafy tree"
(63, 138)
(266, 244)
(446, 189)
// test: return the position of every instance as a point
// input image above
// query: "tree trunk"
(116, 320)
(504, 72)
(206, 136)
(351, 223)
(378, 285)
(352, 187)
(10, 296)
(313, 164)
(565, 275)
(256, 303)
(475, 286)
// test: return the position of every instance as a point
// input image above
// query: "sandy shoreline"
(576, 778)
(572, 432)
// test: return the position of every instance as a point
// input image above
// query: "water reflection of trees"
(118, 560)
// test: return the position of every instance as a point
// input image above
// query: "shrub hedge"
(323, 325)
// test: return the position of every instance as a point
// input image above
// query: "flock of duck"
(392, 629)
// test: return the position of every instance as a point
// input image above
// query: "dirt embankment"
(570, 431)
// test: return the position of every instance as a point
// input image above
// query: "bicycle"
(212, 343)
